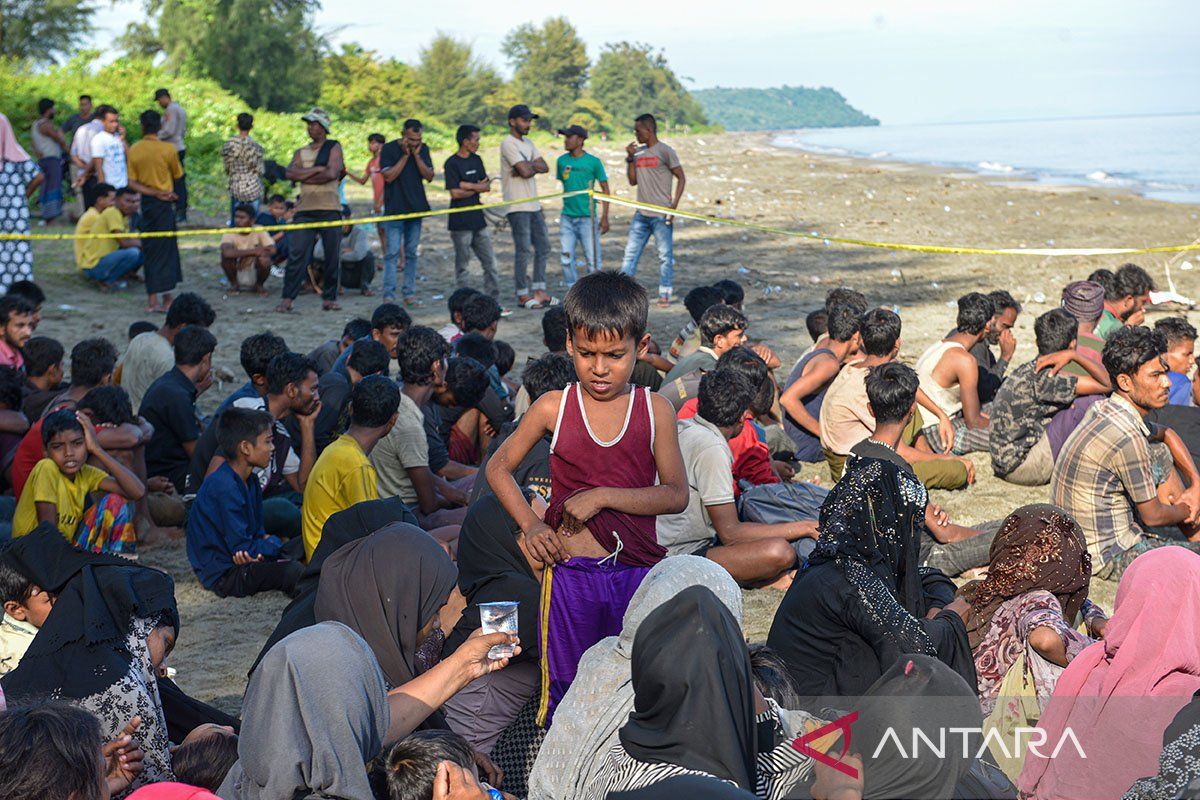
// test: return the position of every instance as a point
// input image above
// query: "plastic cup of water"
(499, 617)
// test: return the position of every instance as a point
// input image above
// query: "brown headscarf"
(1038, 547)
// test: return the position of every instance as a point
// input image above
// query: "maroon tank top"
(580, 461)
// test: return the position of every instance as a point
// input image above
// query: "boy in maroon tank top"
(614, 466)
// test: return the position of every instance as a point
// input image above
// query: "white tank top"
(949, 400)
(43, 145)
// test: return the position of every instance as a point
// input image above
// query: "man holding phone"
(406, 166)
(651, 166)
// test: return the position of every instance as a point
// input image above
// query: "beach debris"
(1186, 266)
(1010, 203)
(742, 270)
(1039, 297)
(438, 297)
(934, 285)
(895, 272)
(951, 304)
(1050, 242)
(814, 279)
(66, 307)
(945, 208)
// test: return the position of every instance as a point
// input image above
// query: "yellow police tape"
(606, 198)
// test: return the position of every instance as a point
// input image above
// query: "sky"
(908, 62)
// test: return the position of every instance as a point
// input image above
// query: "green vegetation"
(39, 31)
(787, 107)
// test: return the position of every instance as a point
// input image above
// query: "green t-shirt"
(579, 173)
(1108, 325)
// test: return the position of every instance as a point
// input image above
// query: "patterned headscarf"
(1083, 300)
(1038, 547)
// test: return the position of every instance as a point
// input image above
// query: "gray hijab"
(600, 698)
(315, 713)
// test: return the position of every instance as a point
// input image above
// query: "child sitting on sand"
(26, 607)
(614, 466)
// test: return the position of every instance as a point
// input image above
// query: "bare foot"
(153, 536)
(329, 305)
(783, 583)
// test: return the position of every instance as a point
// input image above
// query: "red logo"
(647, 162)
(803, 746)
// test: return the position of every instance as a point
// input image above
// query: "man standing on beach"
(154, 172)
(579, 170)
(243, 160)
(174, 128)
(466, 181)
(406, 167)
(520, 164)
(651, 168)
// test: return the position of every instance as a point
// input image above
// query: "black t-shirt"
(170, 406)
(470, 170)
(439, 453)
(406, 194)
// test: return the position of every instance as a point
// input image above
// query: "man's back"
(845, 420)
(341, 477)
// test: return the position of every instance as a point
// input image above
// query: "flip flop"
(532, 304)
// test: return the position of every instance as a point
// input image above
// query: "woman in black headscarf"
(492, 568)
(862, 602)
(699, 714)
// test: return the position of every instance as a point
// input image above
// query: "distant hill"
(780, 109)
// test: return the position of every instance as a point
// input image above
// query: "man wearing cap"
(318, 167)
(579, 170)
(520, 164)
(651, 166)
(406, 167)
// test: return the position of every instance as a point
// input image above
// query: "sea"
(1156, 156)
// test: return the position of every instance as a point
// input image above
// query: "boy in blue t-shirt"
(229, 551)
(579, 170)
(1181, 358)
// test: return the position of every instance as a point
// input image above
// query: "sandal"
(284, 307)
(412, 302)
(664, 300)
(368, 292)
(530, 303)
(330, 305)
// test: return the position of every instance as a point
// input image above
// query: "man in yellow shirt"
(106, 261)
(153, 169)
(342, 475)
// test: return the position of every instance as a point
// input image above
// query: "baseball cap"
(573, 130)
(318, 115)
(521, 111)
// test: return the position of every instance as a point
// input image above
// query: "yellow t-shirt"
(154, 163)
(47, 484)
(341, 477)
(88, 252)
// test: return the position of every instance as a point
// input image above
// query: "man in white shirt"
(520, 164)
(105, 154)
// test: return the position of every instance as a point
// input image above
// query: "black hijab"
(492, 568)
(693, 690)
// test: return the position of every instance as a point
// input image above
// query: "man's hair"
(840, 295)
(725, 397)
(468, 380)
(151, 121)
(1054, 331)
(103, 111)
(237, 425)
(771, 676)
(287, 368)
(374, 401)
(554, 329)
(102, 190)
(140, 327)
(464, 132)
(190, 308)
(83, 97)
(369, 358)
(91, 360)
(10, 306)
(41, 353)
(975, 311)
(552, 372)
(50, 751)
(377, 138)
(731, 291)
(124, 190)
(478, 347)
(276, 198)
(1129, 347)
(192, 344)
(245, 208)
(245, 121)
(880, 329)
(411, 767)
(14, 586)
(648, 121)
(1107, 281)
(1002, 299)
(109, 405)
(387, 315)
(420, 350)
(458, 298)
(842, 323)
(479, 312)
(1132, 281)
(505, 357)
(29, 290)
(817, 323)
(892, 390)
(57, 422)
(357, 328)
(607, 303)
(750, 364)
(205, 762)
(44, 105)
(12, 384)
(412, 125)
(1175, 329)
(257, 351)
(701, 299)
(161, 93)
(719, 321)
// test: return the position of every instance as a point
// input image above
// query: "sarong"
(51, 199)
(583, 601)
(161, 253)
(107, 527)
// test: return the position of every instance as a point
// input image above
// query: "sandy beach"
(738, 176)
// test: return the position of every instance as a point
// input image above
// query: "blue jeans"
(400, 233)
(640, 229)
(115, 265)
(234, 203)
(581, 232)
(529, 238)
